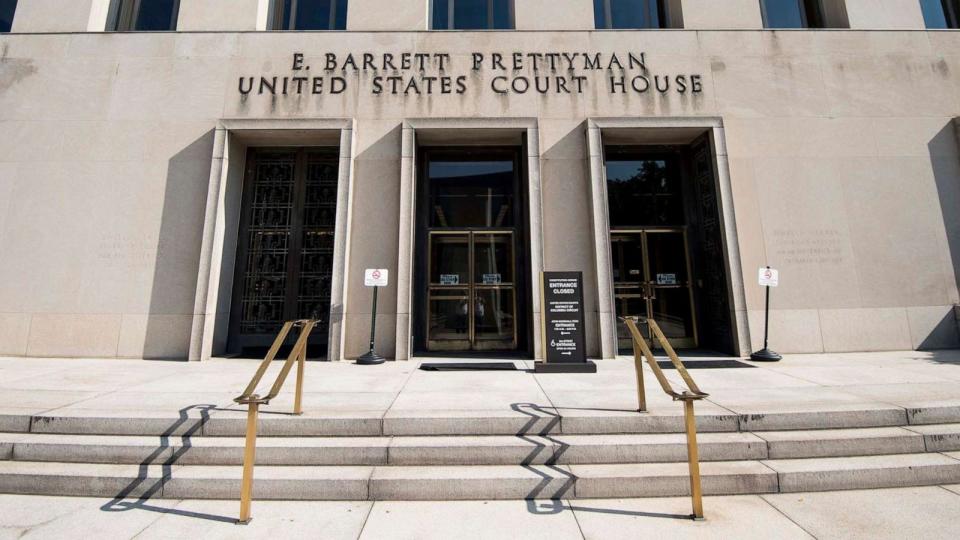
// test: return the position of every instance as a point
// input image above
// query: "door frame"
(230, 140)
(421, 250)
(663, 130)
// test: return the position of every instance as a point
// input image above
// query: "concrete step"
(524, 419)
(478, 482)
(477, 450)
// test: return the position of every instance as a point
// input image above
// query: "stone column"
(205, 301)
(408, 177)
(534, 188)
(607, 315)
(341, 240)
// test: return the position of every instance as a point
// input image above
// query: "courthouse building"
(178, 177)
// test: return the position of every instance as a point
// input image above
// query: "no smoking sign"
(376, 277)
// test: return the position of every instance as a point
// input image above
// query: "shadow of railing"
(556, 504)
(144, 488)
(537, 415)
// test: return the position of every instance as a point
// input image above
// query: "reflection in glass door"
(471, 301)
(469, 273)
(651, 274)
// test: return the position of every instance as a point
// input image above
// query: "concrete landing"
(137, 397)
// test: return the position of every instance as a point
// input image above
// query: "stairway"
(521, 454)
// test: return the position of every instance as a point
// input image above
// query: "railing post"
(693, 455)
(638, 363)
(298, 396)
(249, 455)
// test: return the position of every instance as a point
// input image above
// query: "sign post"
(769, 278)
(376, 278)
(563, 328)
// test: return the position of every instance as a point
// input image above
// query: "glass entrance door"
(651, 274)
(471, 303)
(469, 276)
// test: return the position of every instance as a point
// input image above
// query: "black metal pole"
(371, 357)
(765, 354)
(766, 320)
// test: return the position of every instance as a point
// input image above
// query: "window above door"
(143, 15)
(309, 15)
(941, 14)
(472, 15)
(7, 9)
(631, 14)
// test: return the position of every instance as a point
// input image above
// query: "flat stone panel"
(735, 14)
(554, 15)
(865, 329)
(404, 15)
(51, 16)
(882, 14)
(14, 333)
(218, 15)
(154, 336)
(74, 335)
(798, 329)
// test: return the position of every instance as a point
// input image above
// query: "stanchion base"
(565, 367)
(695, 518)
(371, 359)
(765, 355)
(247, 522)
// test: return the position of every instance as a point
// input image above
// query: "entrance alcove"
(486, 170)
(315, 152)
(665, 232)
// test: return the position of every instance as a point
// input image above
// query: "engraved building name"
(419, 74)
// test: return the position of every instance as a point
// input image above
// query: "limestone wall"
(842, 156)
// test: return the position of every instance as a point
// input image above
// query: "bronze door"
(651, 274)
(285, 246)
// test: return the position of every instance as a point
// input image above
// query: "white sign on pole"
(376, 277)
(769, 277)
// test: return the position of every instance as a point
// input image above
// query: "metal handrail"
(693, 393)
(253, 400)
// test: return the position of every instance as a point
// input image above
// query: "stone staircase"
(524, 453)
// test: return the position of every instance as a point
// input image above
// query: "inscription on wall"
(419, 74)
(809, 246)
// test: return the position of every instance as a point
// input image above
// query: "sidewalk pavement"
(819, 382)
(915, 513)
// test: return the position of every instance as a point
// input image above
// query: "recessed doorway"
(471, 252)
(666, 248)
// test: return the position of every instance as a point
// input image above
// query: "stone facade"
(122, 155)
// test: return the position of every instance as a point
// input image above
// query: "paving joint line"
(366, 519)
(573, 511)
(784, 514)
(400, 391)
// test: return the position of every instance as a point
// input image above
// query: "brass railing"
(693, 393)
(253, 401)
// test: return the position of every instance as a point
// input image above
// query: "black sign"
(564, 343)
